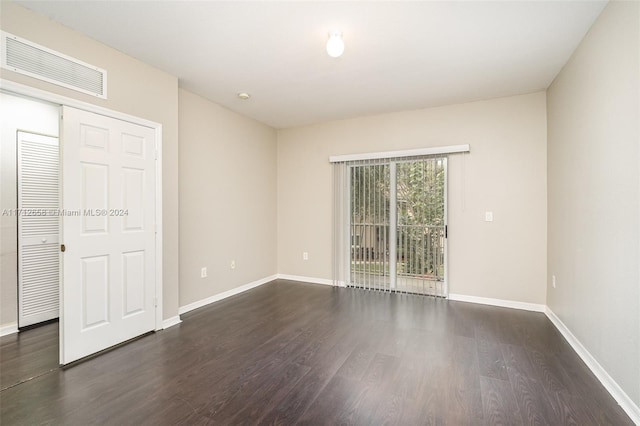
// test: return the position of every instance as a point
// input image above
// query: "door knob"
(62, 248)
(44, 240)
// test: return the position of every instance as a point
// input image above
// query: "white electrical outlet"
(553, 281)
(305, 255)
(233, 264)
(203, 272)
(488, 216)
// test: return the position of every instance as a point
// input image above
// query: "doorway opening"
(30, 157)
(29, 274)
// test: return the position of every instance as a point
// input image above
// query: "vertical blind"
(389, 217)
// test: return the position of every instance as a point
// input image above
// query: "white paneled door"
(108, 290)
(38, 227)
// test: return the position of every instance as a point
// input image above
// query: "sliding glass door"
(397, 225)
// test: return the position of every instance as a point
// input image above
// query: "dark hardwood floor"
(28, 354)
(292, 353)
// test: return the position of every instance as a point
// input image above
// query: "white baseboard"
(8, 329)
(170, 322)
(525, 306)
(311, 280)
(607, 381)
(224, 295)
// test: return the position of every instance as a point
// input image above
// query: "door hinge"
(446, 231)
(155, 302)
(156, 153)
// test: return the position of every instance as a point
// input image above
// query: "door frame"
(13, 88)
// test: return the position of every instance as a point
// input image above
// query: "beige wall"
(505, 173)
(593, 173)
(15, 114)
(227, 199)
(134, 88)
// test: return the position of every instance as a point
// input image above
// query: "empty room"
(319, 212)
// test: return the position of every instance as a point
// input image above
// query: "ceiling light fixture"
(335, 44)
(244, 96)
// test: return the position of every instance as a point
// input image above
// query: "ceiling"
(398, 56)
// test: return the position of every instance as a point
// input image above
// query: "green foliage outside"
(420, 214)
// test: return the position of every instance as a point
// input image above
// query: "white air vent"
(28, 58)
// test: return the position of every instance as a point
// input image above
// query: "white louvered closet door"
(38, 228)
